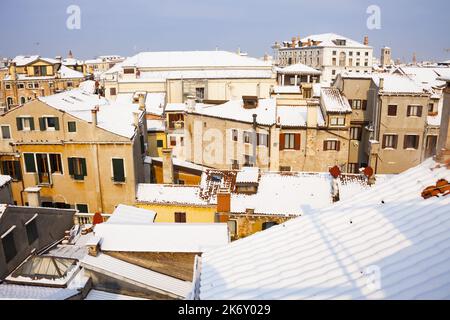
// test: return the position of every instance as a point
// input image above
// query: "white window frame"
(337, 124)
(47, 127)
(22, 119)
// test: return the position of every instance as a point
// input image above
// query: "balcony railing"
(87, 218)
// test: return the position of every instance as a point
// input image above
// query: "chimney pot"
(366, 40)
(167, 164)
(94, 113)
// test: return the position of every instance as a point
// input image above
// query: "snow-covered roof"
(384, 243)
(67, 73)
(25, 60)
(4, 180)
(287, 89)
(296, 116)
(136, 275)
(329, 40)
(155, 125)
(248, 175)
(192, 59)
(21, 292)
(116, 117)
(299, 68)
(124, 214)
(154, 102)
(333, 101)
(200, 74)
(395, 83)
(162, 237)
(103, 295)
(71, 62)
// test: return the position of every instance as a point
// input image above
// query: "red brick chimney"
(223, 201)
(366, 40)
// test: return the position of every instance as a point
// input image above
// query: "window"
(333, 72)
(25, 124)
(430, 108)
(72, 126)
(182, 141)
(285, 169)
(173, 141)
(40, 71)
(6, 132)
(234, 134)
(262, 139)
(82, 208)
(350, 53)
(248, 161)
(268, 225)
(353, 168)
(358, 53)
(49, 123)
(331, 145)
(234, 164)
(23, 100)
(77, 168)
(334, 62)
(180, 217)
(7, 86)
(337, 121)
(9, 102)
(290, 141)
(159, 143)
(30, 85)
(232, 226)
(390, 141)
(9, 247)
(334, 53)
(69, 84)
(200, 93)
(355, 133)
(247, 137)
(112, 91)
(392, 110)
(118, 170)
(128, 71)
(414, 111)
(32, 231)
(411, 142)
(11, 168)
(55, 163)
(36, 85)
(356, 104)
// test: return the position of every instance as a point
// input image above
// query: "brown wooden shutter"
(338, 146)
(281, 141)
(408, 113)
(364, 104)
(395, 141)
(405, 138)
(417, 142)
(325, 145)
(419, 111)
(350, 101)
(297, 141)
(383, 145)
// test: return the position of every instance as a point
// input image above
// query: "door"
(43, 168)
(431, 146)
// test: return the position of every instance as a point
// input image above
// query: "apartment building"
(205, 75)
(312, 135)
(75, 149)
(34, 76)
(394, 123)
(330, 53)
(102, 64)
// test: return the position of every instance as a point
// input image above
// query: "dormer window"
(250, 102)
(128, 71)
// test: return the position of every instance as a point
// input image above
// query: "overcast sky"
(128, 26)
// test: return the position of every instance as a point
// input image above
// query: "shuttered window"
(411, 142)
(6, 132)
(331, 145)
(392, 110)
(263, 139)
(25, 123)
(49, 123)
(118, 170)
(390, 141)
(77, 168)
(11, 168)
(414, 111)
(72, 126)
(180, 217)
(290, 141)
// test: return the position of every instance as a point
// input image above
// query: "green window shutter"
(42, 124)
(56, 123)
(70, 165)
(31, 123)
(19, 124)
(118, 170)
(72, 126)
(83, 167)
(30, 166)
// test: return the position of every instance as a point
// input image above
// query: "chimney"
(136, 119)
(366, 40)
(190, 102)
(33, 196)
(294, 42)
(414, 61)
(94, 115)
(311, 114)
(13, 71)
(59, 58)
(223, 201)
(381, 85)
(167, 166)
(141, 102)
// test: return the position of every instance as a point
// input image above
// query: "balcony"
(87, 218)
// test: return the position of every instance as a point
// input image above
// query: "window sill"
(119, 182)
(411, 149)
(389, 149)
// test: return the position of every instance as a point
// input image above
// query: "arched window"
(9, 102)
(22, 100)
(342, 58)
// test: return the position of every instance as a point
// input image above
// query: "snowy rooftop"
(389, 233)
(155, 125)
(4, 180)
(178, 163)
(278, 193)
(329, 40)
(296, 116)
(162, 237)
(116, 117)
(192, 59)
(21, 292)
(103, 295)
(299, 68)
(394, 83)
(136, 275)
(333, 101)
(248, 175)
(67, 73)
(287, 89)
(124, 214)
(200, 74)
(25, 60)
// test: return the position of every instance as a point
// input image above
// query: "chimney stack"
(294, 42)
(190, 102)
(141, 102)
(366, 40)
(311, 114)
(33, 196)
(94, 115)
(223, 201)
(136, 119)
(167, 166)
(13, 71)
(381, 85)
